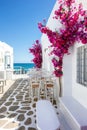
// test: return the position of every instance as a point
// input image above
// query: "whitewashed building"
(74, 80)
(6, 60)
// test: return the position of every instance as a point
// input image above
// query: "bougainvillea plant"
(36, 50)
(73, 19)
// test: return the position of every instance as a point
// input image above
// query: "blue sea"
(23, 67)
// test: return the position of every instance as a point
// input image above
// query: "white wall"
(67, 74)
(46, 58)
(78, 91)
(5, 49)
(53, 25)
(84, 3)
(70, 87)
(1, 58)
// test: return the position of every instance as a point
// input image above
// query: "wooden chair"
(35, 87)
(49, 89)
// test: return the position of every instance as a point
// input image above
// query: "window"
(7, 60)
(82, 65)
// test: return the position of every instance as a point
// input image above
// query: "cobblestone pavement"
(17, 108)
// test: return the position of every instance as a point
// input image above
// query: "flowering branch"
(36, 50)
(74, 28)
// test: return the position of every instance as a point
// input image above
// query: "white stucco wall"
(53, 25)
(78, 91)
(71, 87)
(67, 74)
(5, 49)
(46, 58)
(69, 84)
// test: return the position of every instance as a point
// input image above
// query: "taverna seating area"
(43, 82)
(31, 102)
(20, 102)
(21, 109)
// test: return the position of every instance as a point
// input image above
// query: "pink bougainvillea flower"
(58, 72)
(36, 50)
(74, 29)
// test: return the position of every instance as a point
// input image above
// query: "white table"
(46, 116)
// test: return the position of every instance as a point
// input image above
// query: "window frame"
(82, 65)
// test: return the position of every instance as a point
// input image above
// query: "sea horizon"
(23, 66)
(23, 62)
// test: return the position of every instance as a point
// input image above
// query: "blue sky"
(18, 24)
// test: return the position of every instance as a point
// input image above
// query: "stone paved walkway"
(17, 108)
